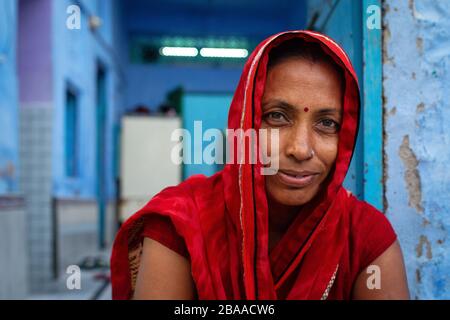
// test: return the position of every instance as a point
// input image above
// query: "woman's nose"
(299, 144)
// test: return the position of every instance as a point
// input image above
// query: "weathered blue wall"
(76, 55)
(9, 143)
(417, 139)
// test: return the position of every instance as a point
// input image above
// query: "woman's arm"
(163, 274)
(392, 276)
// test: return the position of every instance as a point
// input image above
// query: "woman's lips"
(296, 180)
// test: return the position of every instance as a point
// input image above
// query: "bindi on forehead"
(306, 109)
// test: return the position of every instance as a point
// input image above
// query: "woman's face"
(303, 100)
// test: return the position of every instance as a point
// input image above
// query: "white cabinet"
(146, 165)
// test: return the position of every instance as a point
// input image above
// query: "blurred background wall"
(76, 105)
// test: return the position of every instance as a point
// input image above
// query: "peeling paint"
(412, 177)
(393, 111)
(419, 249)
(411, 5)
(419, 44)
(385, 155)
(386, 38)
(420, 107)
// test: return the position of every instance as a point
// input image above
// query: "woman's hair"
(299, 48)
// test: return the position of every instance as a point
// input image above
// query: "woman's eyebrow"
(325, 111)
(282, 104)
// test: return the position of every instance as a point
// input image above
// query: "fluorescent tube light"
(179, 51)
(223, 53)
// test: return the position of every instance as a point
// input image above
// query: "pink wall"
(35, 51)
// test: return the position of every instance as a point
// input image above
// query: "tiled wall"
(36, 186)
(60, 232)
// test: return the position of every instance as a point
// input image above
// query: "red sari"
(221, 223)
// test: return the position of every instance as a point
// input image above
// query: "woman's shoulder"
(371, 232)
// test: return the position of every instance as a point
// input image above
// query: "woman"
(297, 234)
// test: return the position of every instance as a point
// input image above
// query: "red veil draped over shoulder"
(223, 220)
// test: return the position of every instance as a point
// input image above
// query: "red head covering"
(224, 219)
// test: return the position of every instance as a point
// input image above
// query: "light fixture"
(179, 51)
(223, 53)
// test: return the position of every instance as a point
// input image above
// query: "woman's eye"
(330, 125)
(275, 116)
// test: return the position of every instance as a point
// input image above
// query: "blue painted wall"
(149, 84)
(76, 56)
(9, 143)
(255, 18)
(417, 139)
(372, 97)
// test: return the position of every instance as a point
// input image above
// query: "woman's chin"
(290, 197)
